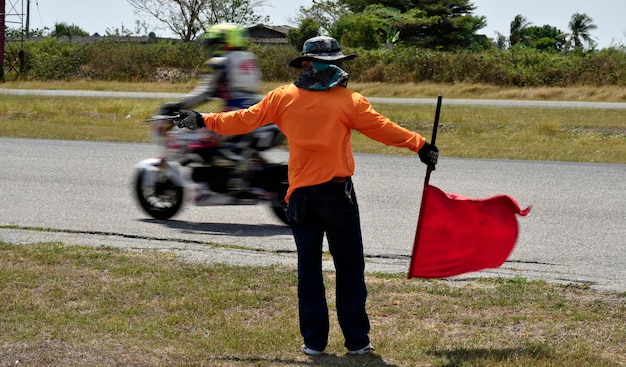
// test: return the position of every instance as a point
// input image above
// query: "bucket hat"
(322, 49)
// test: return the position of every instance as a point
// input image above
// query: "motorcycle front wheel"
(161, 200)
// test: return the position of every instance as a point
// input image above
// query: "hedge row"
(50, 59)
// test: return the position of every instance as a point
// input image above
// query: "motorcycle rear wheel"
(279, 205)
(161, 201)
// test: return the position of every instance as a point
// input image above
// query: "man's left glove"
(190, 119)
(429, 154)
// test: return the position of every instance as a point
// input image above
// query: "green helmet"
(226, 36)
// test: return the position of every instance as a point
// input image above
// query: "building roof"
(262, 33)
(279, 30)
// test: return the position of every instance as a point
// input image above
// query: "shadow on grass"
(457, 357)
(325, 360)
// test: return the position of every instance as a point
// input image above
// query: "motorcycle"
(213, 169)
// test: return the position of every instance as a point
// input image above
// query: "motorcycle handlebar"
(170, 118)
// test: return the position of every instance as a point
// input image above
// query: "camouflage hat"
(321, 48)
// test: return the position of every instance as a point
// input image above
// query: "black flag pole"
(433, 137)
(429, 170)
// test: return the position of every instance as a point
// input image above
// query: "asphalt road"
(81, 193)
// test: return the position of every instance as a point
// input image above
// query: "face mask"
(319, 66)
(321, 76)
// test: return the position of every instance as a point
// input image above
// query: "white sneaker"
(310, 352)
(366, 350)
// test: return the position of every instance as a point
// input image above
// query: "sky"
(96, 16)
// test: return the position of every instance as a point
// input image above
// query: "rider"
(230, 74)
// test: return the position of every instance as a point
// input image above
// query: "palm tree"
(519, 25)
(580, 25)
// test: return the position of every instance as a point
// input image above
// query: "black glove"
(429, 155)
(189, 119)
(169, 109)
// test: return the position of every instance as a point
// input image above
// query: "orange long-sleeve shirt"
(318, 125)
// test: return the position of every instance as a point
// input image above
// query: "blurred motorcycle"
(210, 168)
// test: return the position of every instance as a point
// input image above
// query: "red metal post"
(2, 37)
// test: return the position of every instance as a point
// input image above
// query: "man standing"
(317, 113)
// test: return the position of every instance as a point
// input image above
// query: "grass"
(68, 305)
(576, 135)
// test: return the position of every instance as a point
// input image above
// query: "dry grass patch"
(484, 91)
(407, 90)
(165, 87)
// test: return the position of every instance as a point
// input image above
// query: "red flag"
(457, 235)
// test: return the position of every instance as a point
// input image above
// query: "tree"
(326, 12)
(445, 24)
(357, 30)
(234, 11)
(20, 32)
(500, 41)
(524, 34)
(358, 6)
(580, 25)
(374, 26)
(389, 22)
(518, 30)
(546, 38)
(308, 28)
(64, 29)
(188, 18)
(452, 24)
(141, 28)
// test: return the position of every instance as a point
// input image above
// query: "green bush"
(110, 60)
(51, 59)
(274, 61)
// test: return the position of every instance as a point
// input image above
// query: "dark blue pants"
(330, 209)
